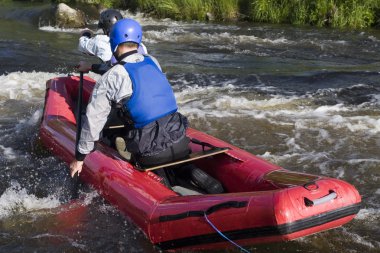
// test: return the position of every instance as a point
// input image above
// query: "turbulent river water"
(304, 98)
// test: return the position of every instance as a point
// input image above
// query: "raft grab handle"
(201, 213)
(332, 195)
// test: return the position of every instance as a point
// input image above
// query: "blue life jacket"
(152, 96)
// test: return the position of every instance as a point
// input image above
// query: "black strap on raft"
(203, 144)
(201, 213)
(228, 204)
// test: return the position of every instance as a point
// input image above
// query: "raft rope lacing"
(223, 235)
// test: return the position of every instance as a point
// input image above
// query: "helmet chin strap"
(122, 56)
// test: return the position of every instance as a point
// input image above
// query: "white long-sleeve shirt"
(113, 86)
(100, 47)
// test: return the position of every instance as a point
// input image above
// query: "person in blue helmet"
(99, 45)
(156, 132)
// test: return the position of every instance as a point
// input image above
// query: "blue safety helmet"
(125, 30)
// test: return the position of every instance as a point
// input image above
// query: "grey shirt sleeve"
(113, 86)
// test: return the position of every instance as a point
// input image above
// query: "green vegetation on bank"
(334, 13)
(102, 3)
(191, 9)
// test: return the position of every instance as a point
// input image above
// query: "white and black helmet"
(107, 19)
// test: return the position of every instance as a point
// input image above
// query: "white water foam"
(32, 121)
(8, 153)
(15, 200)
(368, 214)
(360, 239)
(221, 101)
(277, 109)
(356, 123)
(376, 99)
(324, 45)
(373, 38)
(357, 161)
(73, 242)
(24, 85)
(181, 34)
(28, 86)
(62, 30)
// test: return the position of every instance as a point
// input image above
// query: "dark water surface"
(304, 98)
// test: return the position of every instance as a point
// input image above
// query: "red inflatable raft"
(262, 202)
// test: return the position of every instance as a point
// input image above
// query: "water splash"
(26, 86)
(16, 200)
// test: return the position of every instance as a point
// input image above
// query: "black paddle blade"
(74, 187)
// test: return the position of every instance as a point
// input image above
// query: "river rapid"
(307, 99)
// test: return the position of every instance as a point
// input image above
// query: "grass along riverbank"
(334, 13)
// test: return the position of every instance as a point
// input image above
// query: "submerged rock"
(66, 16)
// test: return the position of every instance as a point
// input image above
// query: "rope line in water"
(224, 236)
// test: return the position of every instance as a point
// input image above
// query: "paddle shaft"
(79, 110)
(75, 179)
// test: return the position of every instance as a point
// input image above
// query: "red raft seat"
(262, 202)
